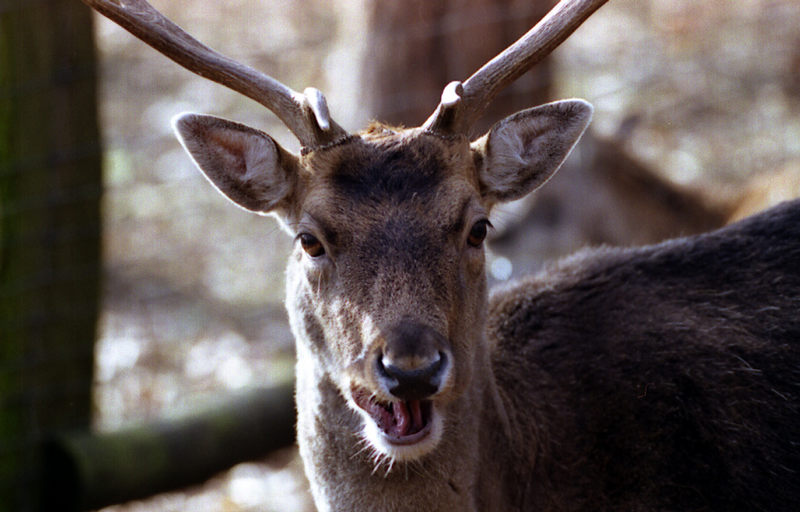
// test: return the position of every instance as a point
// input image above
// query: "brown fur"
(660, 378)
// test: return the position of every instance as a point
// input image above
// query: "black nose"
(413, 362)
(415, 384)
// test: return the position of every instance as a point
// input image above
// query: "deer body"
(657, 378)
(660, 378)
(691, 406)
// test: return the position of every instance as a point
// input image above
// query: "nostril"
(412, 383)
(421, 372)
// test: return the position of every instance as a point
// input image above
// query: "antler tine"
(463, 104)
(305, 114)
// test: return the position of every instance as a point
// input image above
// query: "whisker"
(389, 469)
(366, 447)
(378, 462)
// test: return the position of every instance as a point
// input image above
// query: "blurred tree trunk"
(50, 186)
(418, 46)
(93, 470)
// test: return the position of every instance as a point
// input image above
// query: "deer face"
(386, 289)
(387, 278)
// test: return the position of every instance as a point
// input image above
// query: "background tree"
(50, 187)
(417, 47)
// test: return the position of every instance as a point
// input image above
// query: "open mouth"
(402, 421)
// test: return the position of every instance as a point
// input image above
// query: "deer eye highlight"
(478, 233)
(311, 245)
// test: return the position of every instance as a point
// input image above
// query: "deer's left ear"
(243, 163)
(524, 150)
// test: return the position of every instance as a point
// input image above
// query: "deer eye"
(311, 245)
(478, 233)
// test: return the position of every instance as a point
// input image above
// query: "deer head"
(386, 290)
(386, 283)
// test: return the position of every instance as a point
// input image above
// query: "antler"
(306, 114)
(463, 104)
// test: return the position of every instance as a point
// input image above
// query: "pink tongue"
(407, 417)
(398, 419)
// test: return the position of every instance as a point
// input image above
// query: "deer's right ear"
(524, 150)
(246, 165)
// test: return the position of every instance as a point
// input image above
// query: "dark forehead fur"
(387, 165)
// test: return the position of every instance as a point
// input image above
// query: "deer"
(662, 377)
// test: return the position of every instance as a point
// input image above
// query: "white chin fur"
(403, 452)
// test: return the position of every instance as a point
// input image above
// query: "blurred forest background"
(697, 122)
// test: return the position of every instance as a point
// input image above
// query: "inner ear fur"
(521, 152)
(246, 165)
